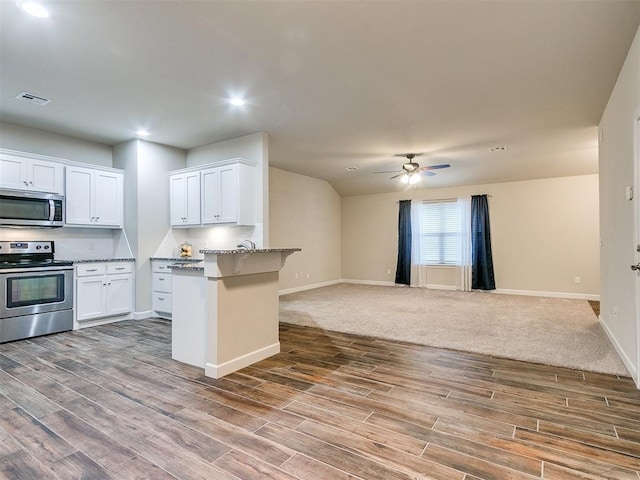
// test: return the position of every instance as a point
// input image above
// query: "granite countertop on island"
(247, 250)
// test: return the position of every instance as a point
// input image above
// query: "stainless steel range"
(36, 291)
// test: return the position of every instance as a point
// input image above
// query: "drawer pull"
(120, 268)
(161, 279)
(160, 298)
(92, 270)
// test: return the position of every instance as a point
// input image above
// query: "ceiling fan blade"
(428, 173)
(387, 171)
(436, 167)
(398, 175)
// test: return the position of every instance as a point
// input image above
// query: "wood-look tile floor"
(108, 402)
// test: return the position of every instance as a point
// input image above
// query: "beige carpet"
(552, 331)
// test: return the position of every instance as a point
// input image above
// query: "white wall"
(305, 213)
(544, 234)
(14, 137)
(253, 147)
(617, 222)
(146, 190)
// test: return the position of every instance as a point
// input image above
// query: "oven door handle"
(52, 210)
(19, 270)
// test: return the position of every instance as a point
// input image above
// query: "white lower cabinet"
(161, 287)
(103, 290)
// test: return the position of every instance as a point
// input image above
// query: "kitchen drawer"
(119, 267)
(161, 302)
(161, 282)
(90, 269)
(162, 266)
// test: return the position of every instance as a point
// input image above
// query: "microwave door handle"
(52, 210)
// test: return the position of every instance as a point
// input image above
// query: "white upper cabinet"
(94, 197)
(217, 193)
(185, 199)
(227, 194)
(33, 174)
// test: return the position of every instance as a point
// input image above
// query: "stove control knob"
(46, 247)
(38, 247)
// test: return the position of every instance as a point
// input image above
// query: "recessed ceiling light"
(142, 133)
(34, 8)
(352, 169)
(498, 149)
(237, 101)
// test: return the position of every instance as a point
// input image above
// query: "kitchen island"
(225, 308)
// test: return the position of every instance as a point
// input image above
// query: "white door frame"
(636, 194)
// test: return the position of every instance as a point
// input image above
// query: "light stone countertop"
(192, 266)
(100, 260)
(177, 259)
(245, 250)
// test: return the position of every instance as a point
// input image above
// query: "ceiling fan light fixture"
(410, 178)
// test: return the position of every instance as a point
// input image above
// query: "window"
(440, 231)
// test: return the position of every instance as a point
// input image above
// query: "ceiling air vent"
(31, 98)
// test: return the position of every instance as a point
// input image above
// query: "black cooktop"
(34, 263)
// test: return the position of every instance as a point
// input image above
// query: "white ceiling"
(335, 84)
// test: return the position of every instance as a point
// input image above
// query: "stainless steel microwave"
(31, 209)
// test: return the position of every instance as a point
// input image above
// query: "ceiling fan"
(411, 171)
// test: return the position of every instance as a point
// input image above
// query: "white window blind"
(440, 230)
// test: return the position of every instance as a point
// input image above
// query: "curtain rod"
(440, 199)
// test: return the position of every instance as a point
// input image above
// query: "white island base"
(225, 316)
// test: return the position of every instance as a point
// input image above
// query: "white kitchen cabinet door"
(45, 176)
(21, 173)
(79, 210)
(94, 197)
(185, 199)
(90, 298)
(227, 194)
(119, 294)
(211, 196)
(108, 196)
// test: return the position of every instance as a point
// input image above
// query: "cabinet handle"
(161, 279)
(25, 182)
(160, 298)
(91, 270)
(120, 268)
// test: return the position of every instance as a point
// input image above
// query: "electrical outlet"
(308, 276)
(578, 279)
(388, 271)
(296, 275)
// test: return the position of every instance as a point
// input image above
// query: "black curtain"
(481, 260)
(403, 269)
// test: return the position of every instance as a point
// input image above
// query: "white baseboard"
(536, 293)
(142, 315)
(434, 286)
(371, 282)
(623, 356)
(308, 287)
(100, 321)
(501, 291)
(218, 371)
